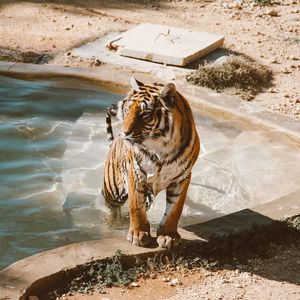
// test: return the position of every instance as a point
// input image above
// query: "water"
(37, 125)
(52, 149)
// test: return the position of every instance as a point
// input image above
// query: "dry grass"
(235, 75)
(231, 251)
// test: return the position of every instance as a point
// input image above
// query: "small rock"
(253, 4)
(286, 71)
(236, 5)
(273, 90)
(273, 60)
(67, 28)
(273, 13)
(222, 281)
(134, 284)
(286, 95)
(152, 275)
(174, 282)
(238, 285)
(293, 57)
(166, 279)
(97, 62)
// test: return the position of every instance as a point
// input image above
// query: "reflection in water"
(52, 149)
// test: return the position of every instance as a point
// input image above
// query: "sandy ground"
(44, 31)
(40, 31)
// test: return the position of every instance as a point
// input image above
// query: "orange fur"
(156, 150)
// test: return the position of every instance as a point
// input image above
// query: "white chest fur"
(159, 178)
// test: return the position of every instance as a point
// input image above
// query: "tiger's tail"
(111, 112)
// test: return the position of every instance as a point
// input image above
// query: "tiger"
(155, 150)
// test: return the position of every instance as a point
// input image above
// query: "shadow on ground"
(270, 249)
(93, 4)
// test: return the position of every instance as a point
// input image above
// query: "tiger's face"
(145, 113)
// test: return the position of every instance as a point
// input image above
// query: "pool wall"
(28, 276)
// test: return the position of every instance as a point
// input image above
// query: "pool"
(52, 149)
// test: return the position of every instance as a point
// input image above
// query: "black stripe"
(170, 201)
(158, 115)
(152, 157)
(186, 142)
(143, 171)
(108, 179)
(109, 130)
(184, 170)
(114, 182)
(167, 124)
(186, 135)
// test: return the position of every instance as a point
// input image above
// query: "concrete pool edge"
(92, 249)
(17, 280)
(32, 274)
(116, 78)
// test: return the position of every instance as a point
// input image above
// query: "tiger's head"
(145, 112)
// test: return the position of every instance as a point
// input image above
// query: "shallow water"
(52, 148)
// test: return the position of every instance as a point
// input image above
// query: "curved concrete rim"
(28, 277)
(19, 279)
(116, 79)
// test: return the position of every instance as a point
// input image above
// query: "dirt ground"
(44, 31)
(274, 278)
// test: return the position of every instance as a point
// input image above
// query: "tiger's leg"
(167, 235)
(139, 230)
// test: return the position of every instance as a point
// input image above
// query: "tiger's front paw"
(139, 238)
(168, 241)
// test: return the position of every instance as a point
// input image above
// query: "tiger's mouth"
(134, 138)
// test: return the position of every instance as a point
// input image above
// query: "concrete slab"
(166, 44)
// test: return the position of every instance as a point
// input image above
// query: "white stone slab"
(165, 44)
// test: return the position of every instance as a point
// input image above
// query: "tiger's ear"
(167, 93)
(135, 84)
